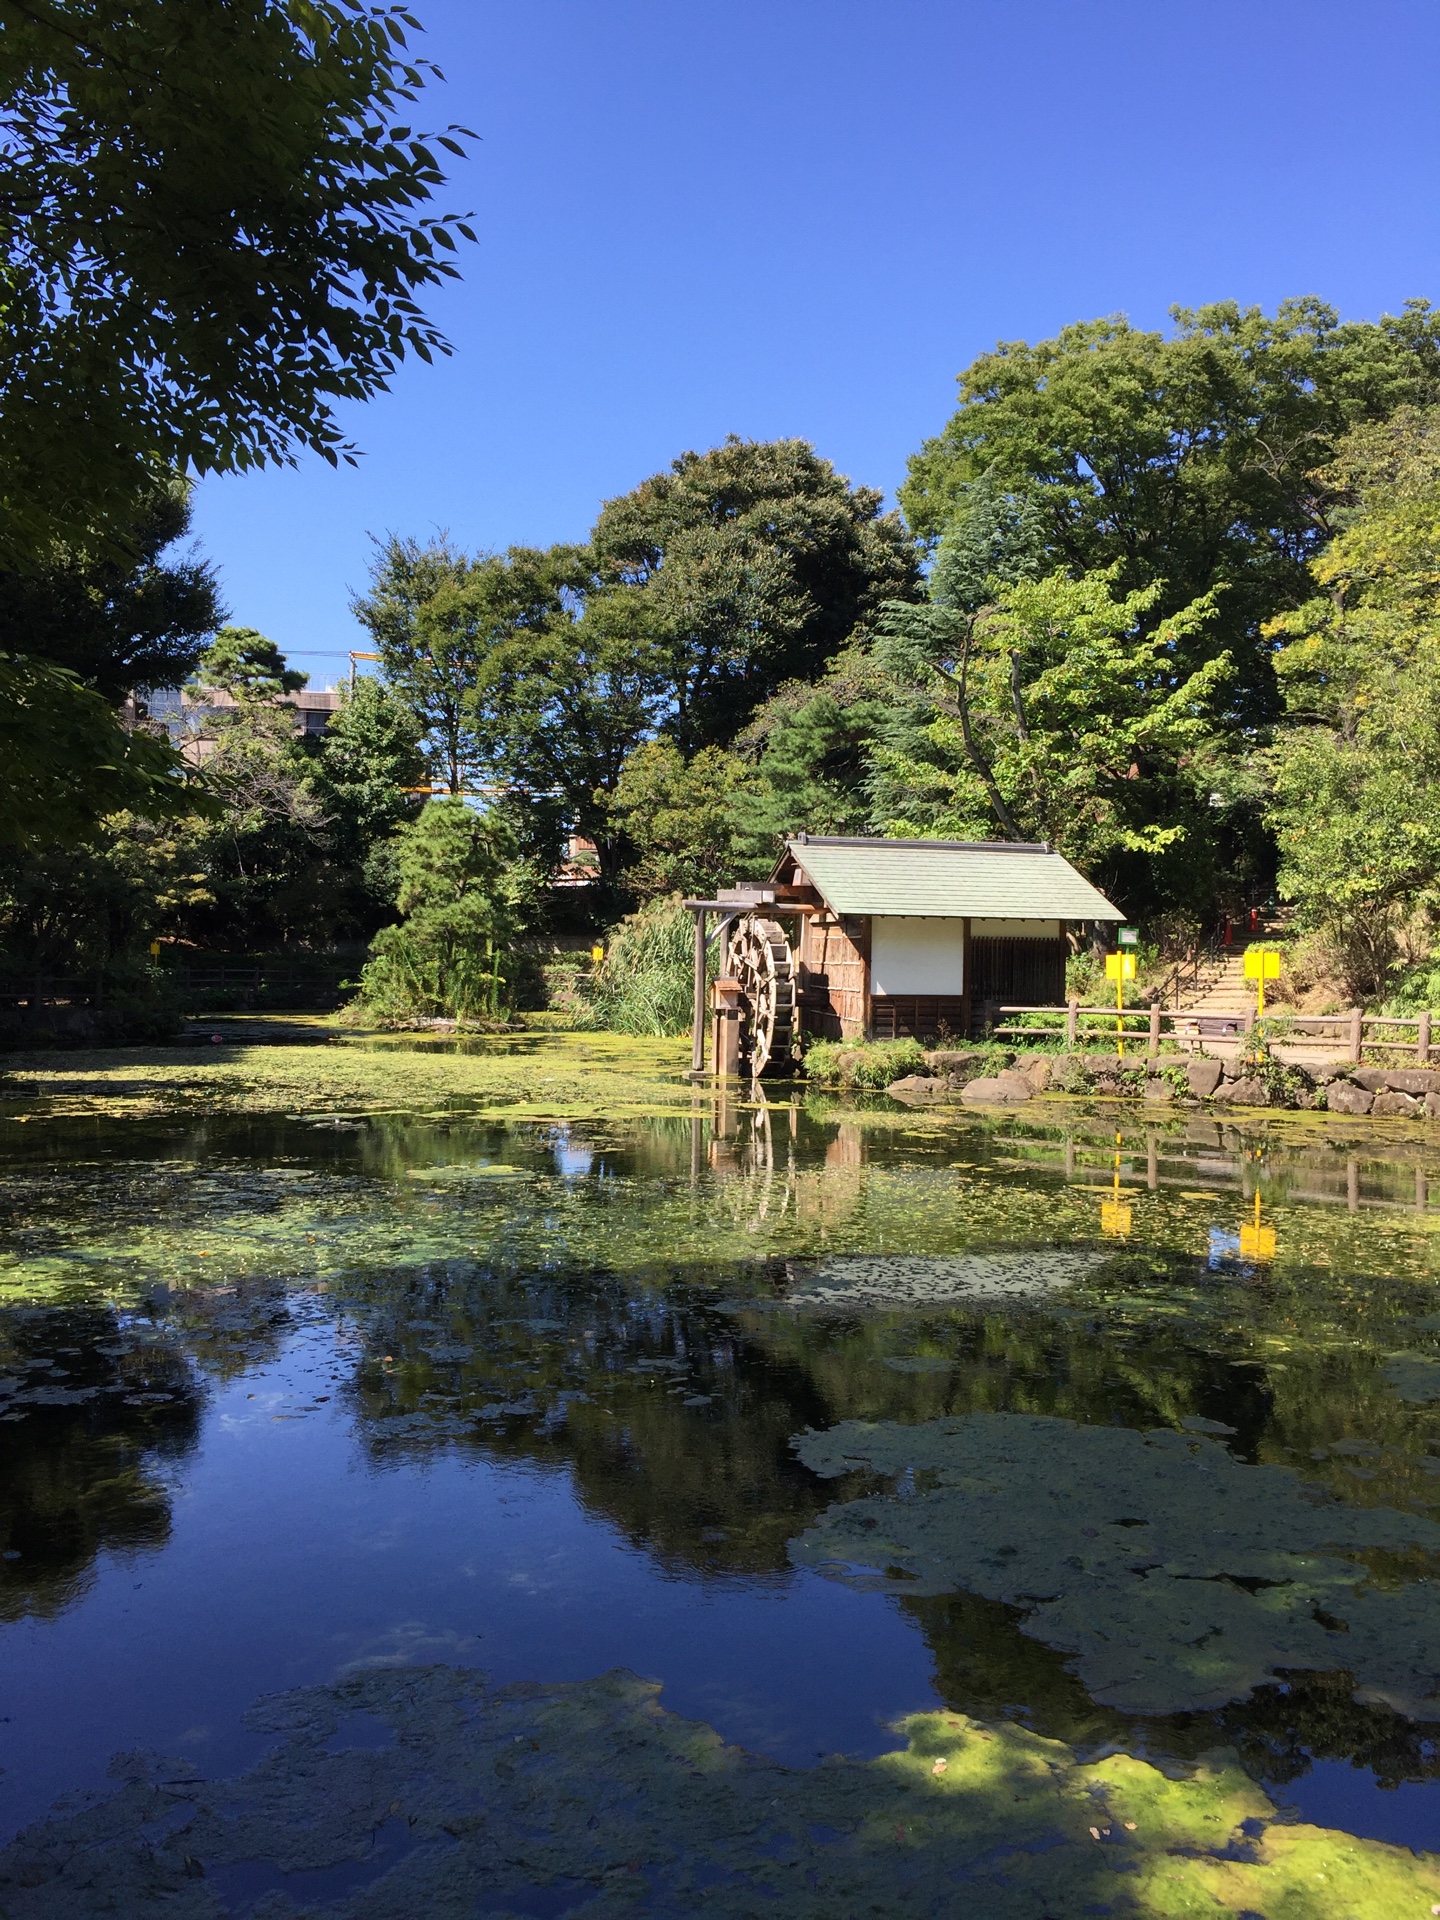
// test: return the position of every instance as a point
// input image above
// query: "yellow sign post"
(1120, 967)
(1261, 964)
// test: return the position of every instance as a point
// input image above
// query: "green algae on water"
(1179, 1577)
(592, 1800)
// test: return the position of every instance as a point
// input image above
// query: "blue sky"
(804, 217)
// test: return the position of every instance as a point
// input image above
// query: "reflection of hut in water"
(858, 938)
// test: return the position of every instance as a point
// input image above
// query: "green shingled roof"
(949, 879)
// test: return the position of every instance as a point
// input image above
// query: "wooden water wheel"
(761, 960)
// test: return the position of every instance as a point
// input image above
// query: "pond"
(998, 1477)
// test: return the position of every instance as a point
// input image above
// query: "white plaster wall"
(916, 956)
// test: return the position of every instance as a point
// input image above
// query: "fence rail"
(1154, 1023)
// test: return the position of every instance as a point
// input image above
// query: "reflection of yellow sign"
(1115, 1212)
(1257, 1242)
(1119, 966)
(1261, 964)
(1115, 1217)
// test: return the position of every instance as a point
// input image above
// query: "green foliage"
(870, 1064)
(364, 769)
(757, 562)
(679, 818)
(68, 761)
(121, 622)
(244, 663)
(215, 235)
(1355, 773)
(462, 898)
(646, 982)
(1059, 714)
(810, 753)
(1186, 459)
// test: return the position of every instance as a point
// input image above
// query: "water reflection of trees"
(101, 1406)
(85, 1474)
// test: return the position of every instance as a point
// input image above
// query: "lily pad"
(1414, 1376)
(1179, 1577)
(591, 1799)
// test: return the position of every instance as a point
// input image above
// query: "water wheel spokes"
(761, 960)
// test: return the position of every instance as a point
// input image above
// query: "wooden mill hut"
(916, 936)
(858, 938)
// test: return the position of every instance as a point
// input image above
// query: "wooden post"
(1422, 1044)
(1154, 1052)
(727, 1029)
(697, 1048)
(1357, 1035)
(1072, 1025)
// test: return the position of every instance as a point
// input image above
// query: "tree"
(1059, 714)
(366, 769)
(567, 692)
(810, 759)
(214, 233)
(1188, 460)
(679, 817)
(1355, 799)
(120, 621)
(243, 663)
(461, 895)
(429, 652)
(757, 562)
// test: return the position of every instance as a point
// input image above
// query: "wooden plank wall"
(834, 977)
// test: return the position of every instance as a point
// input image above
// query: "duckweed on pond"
(320, 1387)
(592, 1800)
(1179, 1577)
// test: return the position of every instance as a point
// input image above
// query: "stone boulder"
(1204, 1076)
(1249, 1092)
(1005, 1089)
(1036, 1070)
(1343, 1096)
(1432, 1106)
(1159, 1090)
(1416, 1080)
(916, 1086)
(1372, 1079)
(1395, 1105)
(965, 1061)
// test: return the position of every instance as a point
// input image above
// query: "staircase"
(1221, 1000)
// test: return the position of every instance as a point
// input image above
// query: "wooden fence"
(1354, 1030)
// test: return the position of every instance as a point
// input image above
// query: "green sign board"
(1128, 937)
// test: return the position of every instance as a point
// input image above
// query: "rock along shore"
(973, 1078)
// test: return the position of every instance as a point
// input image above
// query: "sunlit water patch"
(743, 1402)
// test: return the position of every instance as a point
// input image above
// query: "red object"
(1227, 938)
(1254, 919)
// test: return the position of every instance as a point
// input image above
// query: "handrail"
(1355, 1025)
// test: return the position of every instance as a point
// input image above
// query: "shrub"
(646, 982)
(862, 1064)
(459, 892)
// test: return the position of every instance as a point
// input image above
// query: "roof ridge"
(929, 846)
